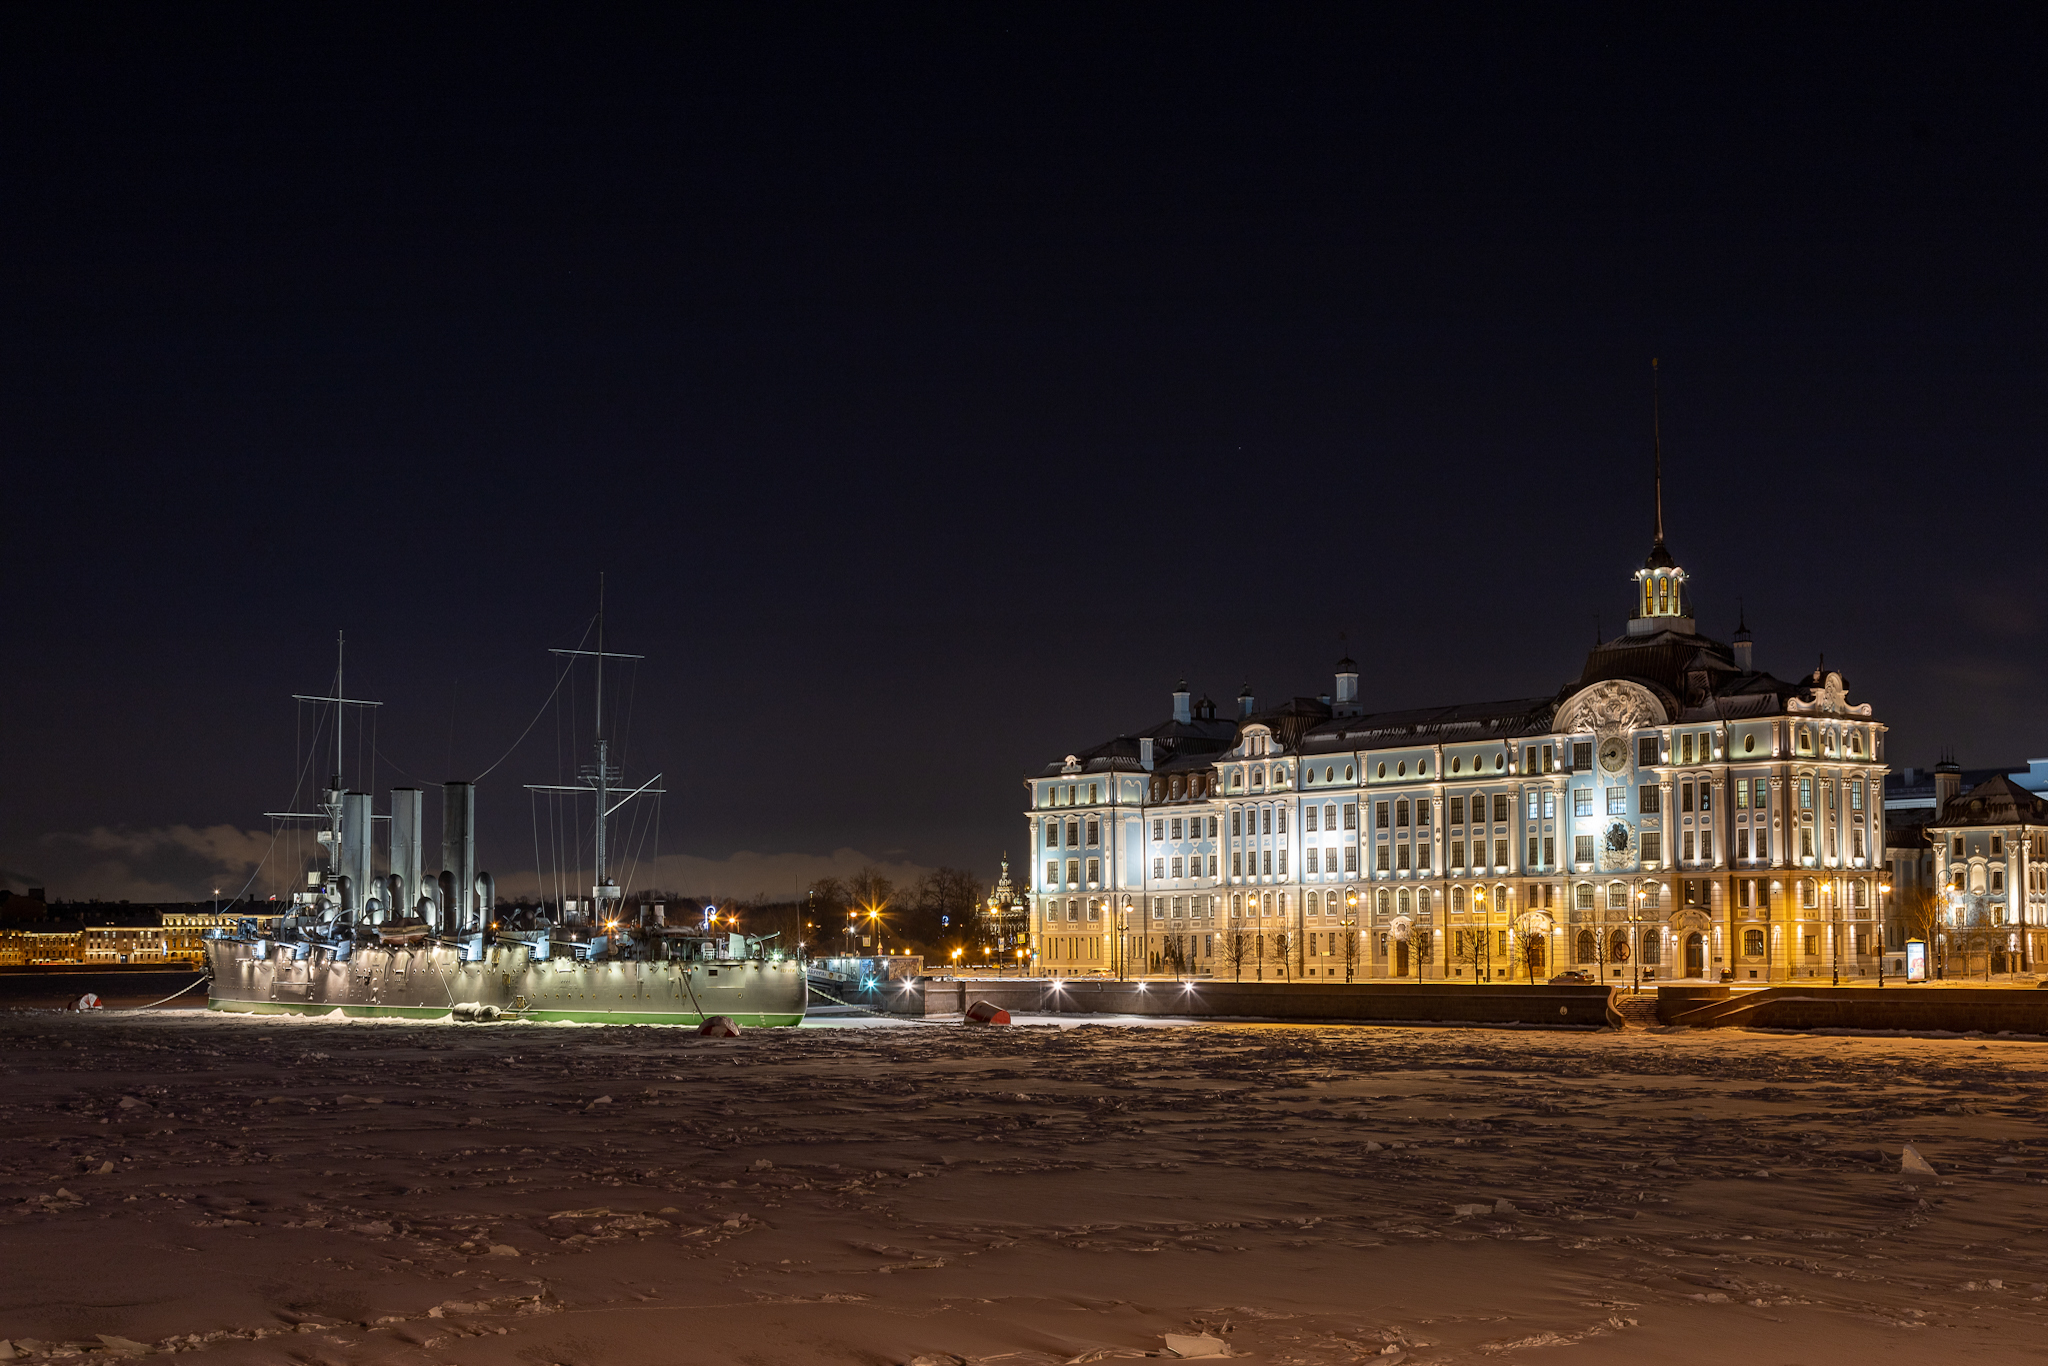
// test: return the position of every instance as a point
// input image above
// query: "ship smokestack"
(458, 854)
(406, 812)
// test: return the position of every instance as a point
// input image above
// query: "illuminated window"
(1753, 943)
(1617, 896)
(1350, 815)
(1308, 819)
(1500, 806)
(1582, 850)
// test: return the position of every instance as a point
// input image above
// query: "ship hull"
(432, 982)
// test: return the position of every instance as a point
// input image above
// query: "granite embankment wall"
(1355, 1002)
(1916, 1009)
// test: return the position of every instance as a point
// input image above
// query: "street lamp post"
(1635, 942)
(1882, 889)
(1350, 932)
(1835, 931)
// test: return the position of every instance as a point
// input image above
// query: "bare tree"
(1281, 948)
(1237, 947)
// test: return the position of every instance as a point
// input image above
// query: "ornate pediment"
(1610, 708)
(1830, 698)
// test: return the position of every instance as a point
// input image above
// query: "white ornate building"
(1672, 811)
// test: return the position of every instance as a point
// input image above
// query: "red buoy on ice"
(720, 1027)
(981, 1012)
(87, 1002)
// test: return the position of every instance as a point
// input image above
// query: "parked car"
(1572, 977)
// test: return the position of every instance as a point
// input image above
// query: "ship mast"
(601, 777)
(347, 848)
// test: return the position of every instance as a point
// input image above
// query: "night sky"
(935, 390)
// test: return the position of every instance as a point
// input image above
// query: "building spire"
(1657, 444)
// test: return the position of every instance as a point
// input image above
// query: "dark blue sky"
(937, 388)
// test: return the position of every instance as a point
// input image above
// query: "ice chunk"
(1467, 1211)
(1505, 1209)
(1196, 1346)
(1912, 1164)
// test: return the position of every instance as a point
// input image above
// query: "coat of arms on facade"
(1617, 847)
(1610, 708)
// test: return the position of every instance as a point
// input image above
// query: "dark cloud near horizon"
(936, 390)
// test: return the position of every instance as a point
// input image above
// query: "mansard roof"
(1290, 721)
(1996, 801)
(1172, 742)
(1660, 658)
(1435, 725)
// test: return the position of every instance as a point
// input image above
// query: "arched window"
(1457, 901)
(1753, 943)
(1406, 901)
(1266, 906)
(1809, 893)
(1500, 898)
(1283, 905)
(1237, 904)
(1862, 894)
(1652, 940)
(1312, 904)
(1422, 902)
(1617, 896)
(1582, 896)
(1173, 787)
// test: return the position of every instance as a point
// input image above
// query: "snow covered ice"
(457, 1194)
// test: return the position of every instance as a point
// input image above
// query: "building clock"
(1613, 754)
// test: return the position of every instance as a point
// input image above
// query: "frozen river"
(330, 1192)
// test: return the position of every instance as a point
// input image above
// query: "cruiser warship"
(412, 945)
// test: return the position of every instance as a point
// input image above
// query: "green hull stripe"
(670, 1017)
